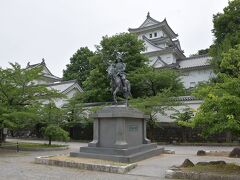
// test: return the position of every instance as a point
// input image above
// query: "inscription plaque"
(132, 128)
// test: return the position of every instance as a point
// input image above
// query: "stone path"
(20, 166)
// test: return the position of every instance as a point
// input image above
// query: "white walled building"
(195, 69)
(164, 51)
(68, 88)
(185, 102)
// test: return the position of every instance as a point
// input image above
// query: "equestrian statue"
(119, 82)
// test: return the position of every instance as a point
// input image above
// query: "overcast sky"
(54, 29)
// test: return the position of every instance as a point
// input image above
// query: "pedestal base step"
(117, 151)
(121, 158)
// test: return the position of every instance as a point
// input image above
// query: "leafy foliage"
(145, 81)
(79, 67)
(52, 119)
(203, 51)
(220, 111)
(183, 117)
(50, 114)
(227, 23)
(155, 104)
(20, 97)
(54, 132)
(230, 63)
(148, 82)
(97, 84)
(221, 107)
(226, 31)
(75, 113)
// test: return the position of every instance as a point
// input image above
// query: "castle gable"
(149, 22)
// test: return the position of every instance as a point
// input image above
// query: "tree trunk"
(1, 136)
(228, 137)
(50, 141)
(184, 134)
(150, 133)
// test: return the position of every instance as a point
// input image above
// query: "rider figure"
(120, 68)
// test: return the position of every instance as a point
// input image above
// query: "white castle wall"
(191, 78)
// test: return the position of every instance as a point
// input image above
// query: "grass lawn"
(226, 169)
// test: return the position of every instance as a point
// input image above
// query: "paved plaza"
(21, 165)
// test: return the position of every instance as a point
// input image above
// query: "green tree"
(79, 67)
(226, 31)
(97, 85)
(54, 132)
(20, 97)
(200, 52)
(230, 63)
(148, 81)
(183, 118)
(227, 23)
(203, 51)
(220, 111)
(153, 106)
(52, 119)
(75, 113)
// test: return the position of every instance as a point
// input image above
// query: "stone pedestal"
(119, 135)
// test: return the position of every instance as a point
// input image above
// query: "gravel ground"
(20, 166)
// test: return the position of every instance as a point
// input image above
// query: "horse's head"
(111, 70)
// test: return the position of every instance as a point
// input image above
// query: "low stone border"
(87, 166)
(212, 153)
(201, 144)
(178, 174)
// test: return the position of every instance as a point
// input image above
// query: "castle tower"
(161, 43)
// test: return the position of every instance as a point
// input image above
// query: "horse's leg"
(114, 94)
(126, 96)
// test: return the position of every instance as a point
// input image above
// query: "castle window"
(155, 34)
(150, 35)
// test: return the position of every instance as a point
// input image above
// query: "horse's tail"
(129, 89)
(130, 94)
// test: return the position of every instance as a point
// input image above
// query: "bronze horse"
(117, 84)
